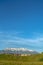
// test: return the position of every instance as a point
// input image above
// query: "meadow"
(10, 59)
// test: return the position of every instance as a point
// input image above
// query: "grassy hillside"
(6, 59)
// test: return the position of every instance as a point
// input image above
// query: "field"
(6, 59)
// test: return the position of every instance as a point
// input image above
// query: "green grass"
(6, 59)
(20, 63)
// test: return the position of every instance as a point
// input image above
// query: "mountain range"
(17, 51)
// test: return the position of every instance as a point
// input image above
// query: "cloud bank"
(13, 40)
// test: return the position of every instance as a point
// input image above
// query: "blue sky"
(21, 24)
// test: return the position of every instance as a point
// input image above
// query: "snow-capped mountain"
(17, 51)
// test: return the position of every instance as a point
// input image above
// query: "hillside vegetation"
(8, 59)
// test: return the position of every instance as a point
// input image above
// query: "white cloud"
(23, 40)
(10, 39)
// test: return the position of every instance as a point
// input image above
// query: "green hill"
(8, 59)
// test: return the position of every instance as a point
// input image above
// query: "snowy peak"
(18, 49)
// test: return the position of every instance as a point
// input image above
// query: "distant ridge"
(17, 51)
